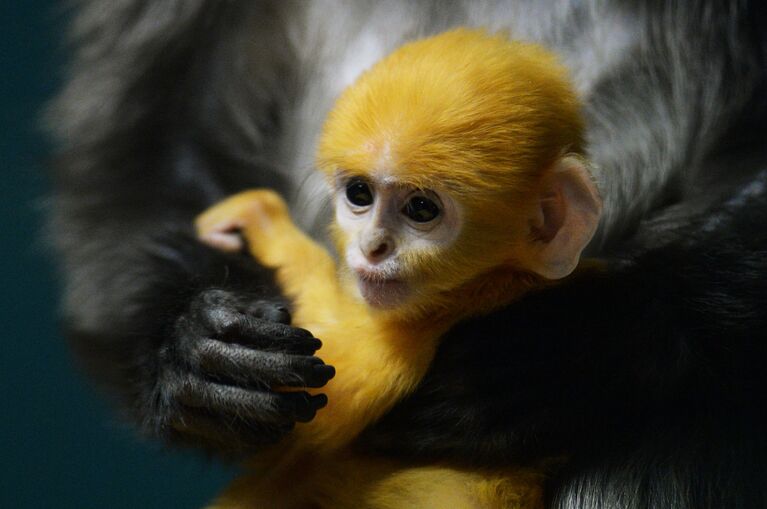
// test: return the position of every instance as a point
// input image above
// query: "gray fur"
(659, 82)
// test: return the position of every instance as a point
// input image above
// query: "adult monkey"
(649, 376)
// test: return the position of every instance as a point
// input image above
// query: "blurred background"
(60, 446)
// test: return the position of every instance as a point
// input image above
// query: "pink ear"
(569, 213)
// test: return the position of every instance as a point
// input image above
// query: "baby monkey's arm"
(262, 218)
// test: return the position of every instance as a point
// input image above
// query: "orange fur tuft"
(468, 109)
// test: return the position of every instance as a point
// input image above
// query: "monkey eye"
(421, 209)
(358, 193)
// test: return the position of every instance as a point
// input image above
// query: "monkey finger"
(264, 407)
(231, 325)
(253, 368)
(220, 229)
(271, 336)
(227, 241)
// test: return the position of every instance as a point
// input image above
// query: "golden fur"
(476, 112)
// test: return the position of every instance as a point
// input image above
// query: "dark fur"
(132, 172)
(667, 414)
(649, 375)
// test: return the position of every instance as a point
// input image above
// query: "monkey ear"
(565, 218)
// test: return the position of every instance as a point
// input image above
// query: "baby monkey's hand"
(259, 216)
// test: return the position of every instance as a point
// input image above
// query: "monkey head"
(453, 157)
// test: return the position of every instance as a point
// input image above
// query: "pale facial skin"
(386, 221)
(390, 232)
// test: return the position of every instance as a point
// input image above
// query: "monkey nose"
(378, 250)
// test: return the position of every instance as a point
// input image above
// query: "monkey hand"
(260, 215)
(216, 377)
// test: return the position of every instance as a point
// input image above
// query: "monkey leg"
(350, 481)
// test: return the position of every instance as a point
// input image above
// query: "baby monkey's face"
(391, 236)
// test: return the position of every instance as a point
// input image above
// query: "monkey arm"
(305, 270)
(186, 338)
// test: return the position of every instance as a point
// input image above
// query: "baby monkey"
(459, 184)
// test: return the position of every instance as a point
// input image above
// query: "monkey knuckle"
(222, 321)
(269, 311)
(259, 308)
(226, 325)
(213, 296)
(253, 327)
(204, 300)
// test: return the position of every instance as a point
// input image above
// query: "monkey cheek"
(383, 294)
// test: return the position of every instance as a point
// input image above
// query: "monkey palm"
(448, 204)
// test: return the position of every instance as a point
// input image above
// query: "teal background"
(60, 446)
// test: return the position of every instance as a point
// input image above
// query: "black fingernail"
(324, 371)
(319, 401)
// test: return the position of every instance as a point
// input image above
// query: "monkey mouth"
(381, 292)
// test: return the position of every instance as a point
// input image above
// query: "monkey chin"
(384, 294)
